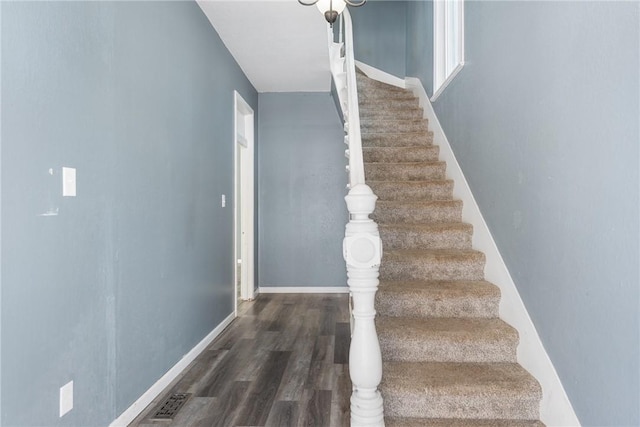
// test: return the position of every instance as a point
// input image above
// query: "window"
(448, 42)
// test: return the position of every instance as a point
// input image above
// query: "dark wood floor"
(282, 362)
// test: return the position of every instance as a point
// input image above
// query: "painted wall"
(302, 179)
(111, 288)
(544, 122)
(380, 36)
(419, 45)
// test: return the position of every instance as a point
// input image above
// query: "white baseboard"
(154, 391)
(303, 289)
(555, 408)
(380, 75)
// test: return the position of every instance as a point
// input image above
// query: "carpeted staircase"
(448, 360)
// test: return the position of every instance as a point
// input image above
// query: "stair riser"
(410, 305)
(389, 214)
(391, 114)
(404, 171)
(437, 190)
(418, 139)
(432, 405)
(393, 126)
(440, 348)
(432, 269)
(421, 239)
(401, 154)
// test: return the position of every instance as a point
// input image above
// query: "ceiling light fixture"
(332, 8)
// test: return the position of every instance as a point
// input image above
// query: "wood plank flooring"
(282, 362)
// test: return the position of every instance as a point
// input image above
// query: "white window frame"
(448, 43)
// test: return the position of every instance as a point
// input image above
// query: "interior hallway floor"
(282, 362)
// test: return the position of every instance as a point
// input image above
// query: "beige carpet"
(448, 360)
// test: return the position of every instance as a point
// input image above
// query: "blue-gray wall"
(419, 44)
(302, 178)
(544, 120)
(138, 268)
(379, 35)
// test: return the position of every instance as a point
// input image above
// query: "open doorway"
(243, 201)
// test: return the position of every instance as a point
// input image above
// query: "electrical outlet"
(224, 200)
(66, 398)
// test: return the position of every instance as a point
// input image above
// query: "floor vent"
(171, 406)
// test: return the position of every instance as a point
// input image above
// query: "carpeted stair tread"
(470, 299)
(368, 84)
(438, 264)
(446, 340)
(398, 139)
(364, 82)
(363, 87)
(442, 422)
(441, 189)
(393, 125)
(405, 113)
(459, 390)
(372, 93)
(388, 211)
(428, 153)
(454, 235)
(390, 102)
(416, 171)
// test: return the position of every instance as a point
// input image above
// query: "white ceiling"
(280, 45)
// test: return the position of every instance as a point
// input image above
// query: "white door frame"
(243, 151)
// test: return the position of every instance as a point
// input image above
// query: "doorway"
(243, 201)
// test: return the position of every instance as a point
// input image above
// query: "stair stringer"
(555, 407)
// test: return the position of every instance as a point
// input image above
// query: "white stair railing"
(362, 246)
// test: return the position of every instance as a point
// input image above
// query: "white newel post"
(362, 249)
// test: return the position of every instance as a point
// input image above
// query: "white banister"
(362, 246)
(355, 138)
(362, 252)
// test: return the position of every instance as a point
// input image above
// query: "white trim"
(247, 191)
(1, 316)
(154, 391)
(448, 44)
(444, 85)
(242, 140)
(555, 407)
(380, 75)
(303, 290)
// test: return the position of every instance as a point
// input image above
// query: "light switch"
(224, 200)
(66, 398)
(69, 182)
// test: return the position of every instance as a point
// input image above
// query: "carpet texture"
(448, 360)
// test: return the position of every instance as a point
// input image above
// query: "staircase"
(448, 360)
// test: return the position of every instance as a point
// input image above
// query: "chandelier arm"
(309, 3)
(354, 3)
